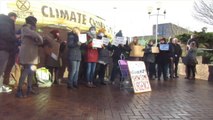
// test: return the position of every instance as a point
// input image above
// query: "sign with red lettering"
(139, 77)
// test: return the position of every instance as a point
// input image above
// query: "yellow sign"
(51, 14)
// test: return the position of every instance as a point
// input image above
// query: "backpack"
(43, 77)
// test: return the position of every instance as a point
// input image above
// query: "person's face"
(151, 43)
(93, 31)
(162, 41)
(13, 18)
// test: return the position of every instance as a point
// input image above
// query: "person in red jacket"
(91, 57)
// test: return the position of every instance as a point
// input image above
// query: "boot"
(30, 91)
(19, 93)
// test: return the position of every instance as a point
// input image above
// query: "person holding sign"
(136, 50)
(74, 57)
(91, 57)
(163, 58)
(118, 51)
(149, 59)
(103, 59)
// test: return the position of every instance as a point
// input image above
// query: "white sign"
(164, 47)
(139, 77)
(97, 43)
(105, 41)
(82, 38)
(119, 40)
(54, 56)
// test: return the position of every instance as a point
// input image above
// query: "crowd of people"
(83, 59)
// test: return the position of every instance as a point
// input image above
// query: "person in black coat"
(177, 55)
(74, 57)
(7, 43)
(163, 58)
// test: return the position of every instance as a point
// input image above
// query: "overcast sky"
(132, 17)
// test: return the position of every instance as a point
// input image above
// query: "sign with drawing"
(139, 77)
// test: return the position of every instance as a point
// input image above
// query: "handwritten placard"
(119, 40)
(105, 41)
(97, 43)
(164, 47)
(139, 77)
(82, 38)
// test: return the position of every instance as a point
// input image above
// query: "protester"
(132, 47)
(74, 57)
(91, 57)
(29, 57)
(149, 59)
(103, 59)
(191, 61)
(7, 46)
(52, 47)
(177, 55)
(163, 58)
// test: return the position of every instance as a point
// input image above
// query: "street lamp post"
(156, 26)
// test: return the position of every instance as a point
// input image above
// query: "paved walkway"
(170, 100)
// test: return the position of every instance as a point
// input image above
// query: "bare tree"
(204, 11)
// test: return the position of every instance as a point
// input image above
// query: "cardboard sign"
(97, 43)
(164, 47)
(137, 51)
(139, 77)
(105, 41)
(82, 38)
(119, 40)
(155, 50)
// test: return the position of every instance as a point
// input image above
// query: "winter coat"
(7, 34)
(177, 52)
(53, 47)
(29, 47)
(148, 55)
(74, 52)
(163, 57)
(91, 54)
(191, 57)
(104, 56)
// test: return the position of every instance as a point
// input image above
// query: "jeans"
(163, 68)
(73, 72)
(28, 73)
(150, 68)
(3, 63)
(90, 71)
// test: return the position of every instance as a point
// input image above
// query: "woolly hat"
(31, 20)
(54, 33)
